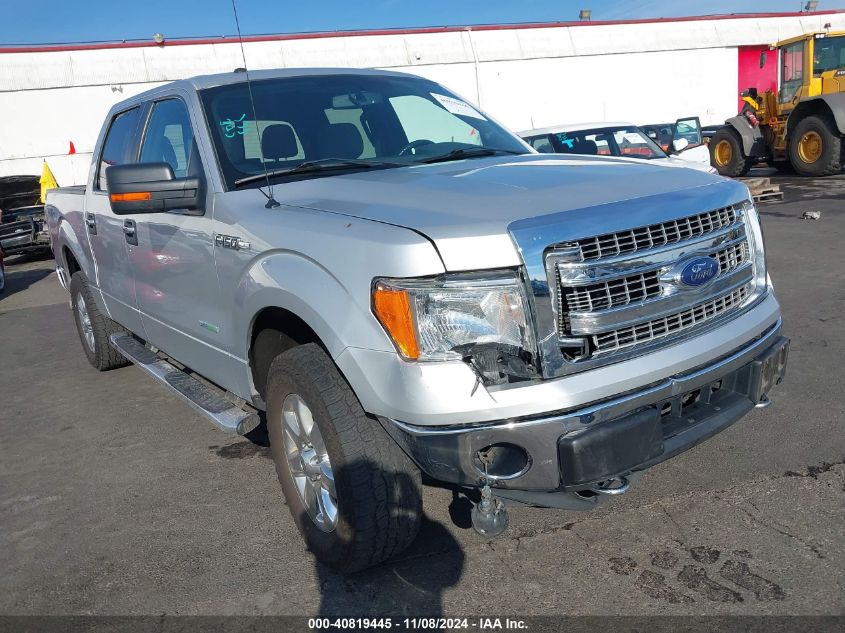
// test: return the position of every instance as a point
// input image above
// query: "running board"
(205, 399)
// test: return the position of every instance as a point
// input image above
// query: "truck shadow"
(409, 585)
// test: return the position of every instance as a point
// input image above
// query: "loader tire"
(726, 153)
(354, 494)
(94, 327)
(815, 146)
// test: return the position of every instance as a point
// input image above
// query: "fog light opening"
(502, 461)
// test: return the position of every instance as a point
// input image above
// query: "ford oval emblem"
(698, 271)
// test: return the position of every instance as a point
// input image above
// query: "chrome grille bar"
(656, 235)
(649, 331)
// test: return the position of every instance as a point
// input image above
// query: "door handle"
(91, 223)
(129, 232)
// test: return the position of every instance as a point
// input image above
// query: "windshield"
(377, 121)
(630, 142)
(829, 54)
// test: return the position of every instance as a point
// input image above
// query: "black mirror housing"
(151, 188)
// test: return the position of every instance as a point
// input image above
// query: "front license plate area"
(769, 370)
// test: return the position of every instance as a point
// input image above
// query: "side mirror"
(150, 188)
(763, 57)
(680, 144)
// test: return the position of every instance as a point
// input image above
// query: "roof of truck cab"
(575, 127)
(201, 82)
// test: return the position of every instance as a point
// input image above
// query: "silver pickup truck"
(401, 286)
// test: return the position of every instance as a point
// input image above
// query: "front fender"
(292, 281)
(753, 143)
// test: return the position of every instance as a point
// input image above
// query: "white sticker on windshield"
(456, 106)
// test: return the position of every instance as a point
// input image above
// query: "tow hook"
(615, 486)
(489, 517)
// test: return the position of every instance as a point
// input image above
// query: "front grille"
(639, 287)
(649, 331)
(619, 292)
(656, 235)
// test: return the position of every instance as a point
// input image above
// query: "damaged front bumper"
(577, 452)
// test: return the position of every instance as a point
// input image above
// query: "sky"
(62, 21)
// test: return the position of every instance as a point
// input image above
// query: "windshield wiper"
(467, 152)
(313, 166)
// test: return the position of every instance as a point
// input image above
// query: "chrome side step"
(223, 413)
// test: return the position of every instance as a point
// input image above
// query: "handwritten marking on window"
(231, 128)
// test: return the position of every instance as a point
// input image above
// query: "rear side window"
(120, 139)
(169, 137)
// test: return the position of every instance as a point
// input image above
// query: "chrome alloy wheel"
(85, 321)
(308, 463)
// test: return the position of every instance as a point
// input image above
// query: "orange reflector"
(130, 197)
(393, 309)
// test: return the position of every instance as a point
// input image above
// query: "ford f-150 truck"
(402, 286)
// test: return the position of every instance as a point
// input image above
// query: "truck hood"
(465, 207)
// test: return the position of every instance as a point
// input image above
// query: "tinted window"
(169, 137)
(120, 140)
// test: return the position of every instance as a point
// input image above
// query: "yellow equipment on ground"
(802, 126)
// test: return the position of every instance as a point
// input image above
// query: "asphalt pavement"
(115, 498)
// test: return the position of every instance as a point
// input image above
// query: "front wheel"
(815, 147)
(353, 493)
(726, 153)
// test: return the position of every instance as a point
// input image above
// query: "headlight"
(453, 316)
(758, 249)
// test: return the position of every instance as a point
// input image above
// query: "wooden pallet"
(762, 189)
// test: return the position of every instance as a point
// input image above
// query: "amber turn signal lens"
(393, 309)
(130, 197)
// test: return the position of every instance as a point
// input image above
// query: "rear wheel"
(353, 493)
(94, 327)
(815, 147)
(726, 153)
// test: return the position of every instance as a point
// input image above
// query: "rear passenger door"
(113, 269)
(173, 261)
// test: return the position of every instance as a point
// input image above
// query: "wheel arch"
(832, 105)
(287, 299)
(753, 143)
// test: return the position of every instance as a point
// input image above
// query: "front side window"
(169, 137)
(119, 143)
(792, 70)
(373, 121)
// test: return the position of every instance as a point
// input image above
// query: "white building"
(527, 75)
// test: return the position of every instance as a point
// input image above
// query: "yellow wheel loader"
(802, 126)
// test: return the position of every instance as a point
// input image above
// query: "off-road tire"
(378, 487)
(103, 356)
(830, 160)
(739, 164)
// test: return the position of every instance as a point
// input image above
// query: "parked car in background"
(624, 140)
(22, 225)
(683, 139)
